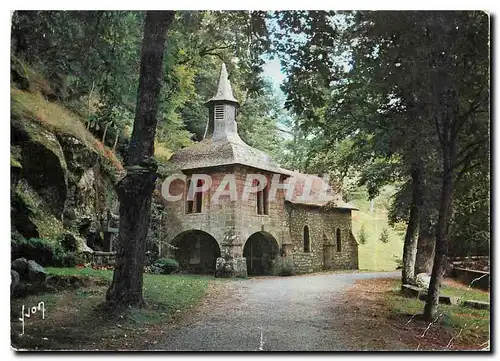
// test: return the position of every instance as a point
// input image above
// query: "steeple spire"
(222, 112)
(224, 91)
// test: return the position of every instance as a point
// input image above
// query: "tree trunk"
(135, 189)
(426, 243)
(104, 134)
(116, 139)
(441, 248)
(410, 244)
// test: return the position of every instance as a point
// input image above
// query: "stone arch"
(196, 251)
(260, 250)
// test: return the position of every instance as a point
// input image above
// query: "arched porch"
(261, 248)
(196, 251)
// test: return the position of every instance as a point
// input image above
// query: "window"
(262, 199)
(219, 112)
(195, 204)
(189, 203)
(307, 245)
(339, 241)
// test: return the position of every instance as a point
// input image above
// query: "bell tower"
(222, 111)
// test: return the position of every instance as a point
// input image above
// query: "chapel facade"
(248, 235)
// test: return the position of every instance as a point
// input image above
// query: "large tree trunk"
(135, 189)
(410, 244)
(441, 247)
(426, 243)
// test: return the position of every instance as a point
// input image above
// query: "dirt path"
(301, 313)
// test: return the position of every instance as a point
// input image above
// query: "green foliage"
(165, 266)
(63, 258)
(69, 243)
(399, 262)
(43, 252)
(39, 250)
(362, 237)
(377, 80)
(384, 236)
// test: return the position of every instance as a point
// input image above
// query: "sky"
(272, 71)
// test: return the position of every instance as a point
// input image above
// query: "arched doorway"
(196, 251)
(260, 250)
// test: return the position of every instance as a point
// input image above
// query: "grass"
(473, 324)
(376, 316)
(76, 320)
(375, 255)
(33, 106)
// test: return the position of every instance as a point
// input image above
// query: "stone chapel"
(249, 236)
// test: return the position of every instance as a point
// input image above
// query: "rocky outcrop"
(43, 163)
(27, 277)
(59, 183)
(20, 265)
(36, 273)
(14, 280)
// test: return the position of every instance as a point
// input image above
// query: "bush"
(38, 250)
(283, 266)
(362, 235)
(69, 242)
(384, 236)
(43, 252)
(64, 259)
(399, 262)
(164, 266)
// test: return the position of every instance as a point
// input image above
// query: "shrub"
(164, 266)
(283, 266)
(43, 252)
(399, 262)
(362, 235)
(64, 259)
(38, 250)
(69, 242)
(384, 236)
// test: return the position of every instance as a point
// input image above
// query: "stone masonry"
(232, 222)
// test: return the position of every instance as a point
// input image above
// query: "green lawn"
(375, 255)
(75, 319)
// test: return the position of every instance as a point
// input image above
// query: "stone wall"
(249, 222)
(216, 219)
(238, 220)
(322, 234)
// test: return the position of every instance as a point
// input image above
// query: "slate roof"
(224, 151)
(317, 192)
(229, 149)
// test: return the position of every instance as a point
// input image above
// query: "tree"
(384, 236)
(460, 99)
(409, 87)
(135, 189)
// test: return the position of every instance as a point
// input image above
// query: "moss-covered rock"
(43, 163)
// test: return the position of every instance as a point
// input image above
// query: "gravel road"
(270, 314)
